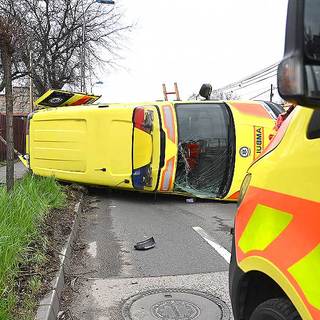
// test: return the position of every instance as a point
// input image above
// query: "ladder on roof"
(166, 93)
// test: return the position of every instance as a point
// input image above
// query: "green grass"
(21, 213)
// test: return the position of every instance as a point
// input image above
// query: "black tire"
(275, 309)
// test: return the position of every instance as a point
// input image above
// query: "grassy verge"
(21, 213)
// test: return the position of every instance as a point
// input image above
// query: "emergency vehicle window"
(204, 152)
(311, 29)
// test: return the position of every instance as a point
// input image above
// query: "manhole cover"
(174, 304)
(175, 309)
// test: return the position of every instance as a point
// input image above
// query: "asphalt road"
(191, 252)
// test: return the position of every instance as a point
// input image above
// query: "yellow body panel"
(246, 126)
(118, 150)
(295, 153)
(87, 145)
(264, 226)
(142, 147)
(98, 145)
(287, 177)
(306, 272)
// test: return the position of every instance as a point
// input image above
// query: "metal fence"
(19, 133)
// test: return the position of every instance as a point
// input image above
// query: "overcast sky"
(193, 42)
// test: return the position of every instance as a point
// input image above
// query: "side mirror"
(205, 91)
(299, 71)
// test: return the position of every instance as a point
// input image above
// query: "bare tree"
(217, 95)
(224, 95)
(60, 33)
(10, 35)
(18, 72)
(9, 21)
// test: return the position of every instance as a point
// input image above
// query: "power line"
(260, 80)
(252, 77)
(254, 80)
(260, 94)
(252, 83)
(251, 92)
(259, 76)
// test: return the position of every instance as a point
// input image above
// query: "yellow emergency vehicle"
(198, 148)
(275, 265)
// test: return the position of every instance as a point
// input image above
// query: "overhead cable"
(260, 94)
(259, 80)
(258, 74)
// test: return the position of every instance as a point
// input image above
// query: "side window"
(314, 126)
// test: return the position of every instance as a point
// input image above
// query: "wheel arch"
(256, 288)
(261, 280)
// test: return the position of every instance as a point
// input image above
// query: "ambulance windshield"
(205, 149)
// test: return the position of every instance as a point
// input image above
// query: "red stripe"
(82, 100)
(278, 137)
(254, 109)
(234, 196)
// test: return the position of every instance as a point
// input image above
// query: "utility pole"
(83, 52)
(271, 92)
(6, 55)
(30, 81)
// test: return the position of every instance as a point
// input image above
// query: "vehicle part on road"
(145, 244)
(175, 304)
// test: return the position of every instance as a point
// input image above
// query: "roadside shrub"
(21, 212)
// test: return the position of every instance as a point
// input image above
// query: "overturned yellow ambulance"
(198, 148)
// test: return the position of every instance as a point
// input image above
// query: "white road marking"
(225, 254)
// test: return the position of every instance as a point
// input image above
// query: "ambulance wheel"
(275, 309)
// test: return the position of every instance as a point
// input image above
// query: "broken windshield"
(205, 149)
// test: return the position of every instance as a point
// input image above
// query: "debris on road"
(145, 244)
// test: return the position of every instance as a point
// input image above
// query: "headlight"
(142, 177)
(244, 188)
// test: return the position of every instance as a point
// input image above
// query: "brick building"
(21, 103)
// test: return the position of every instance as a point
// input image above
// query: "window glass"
(204, 152)
(312, 29)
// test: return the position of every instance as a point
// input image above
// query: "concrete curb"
(50, 305)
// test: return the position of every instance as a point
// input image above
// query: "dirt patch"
(74, 279)
(41, 262)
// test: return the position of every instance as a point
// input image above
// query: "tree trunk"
(7, 66)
